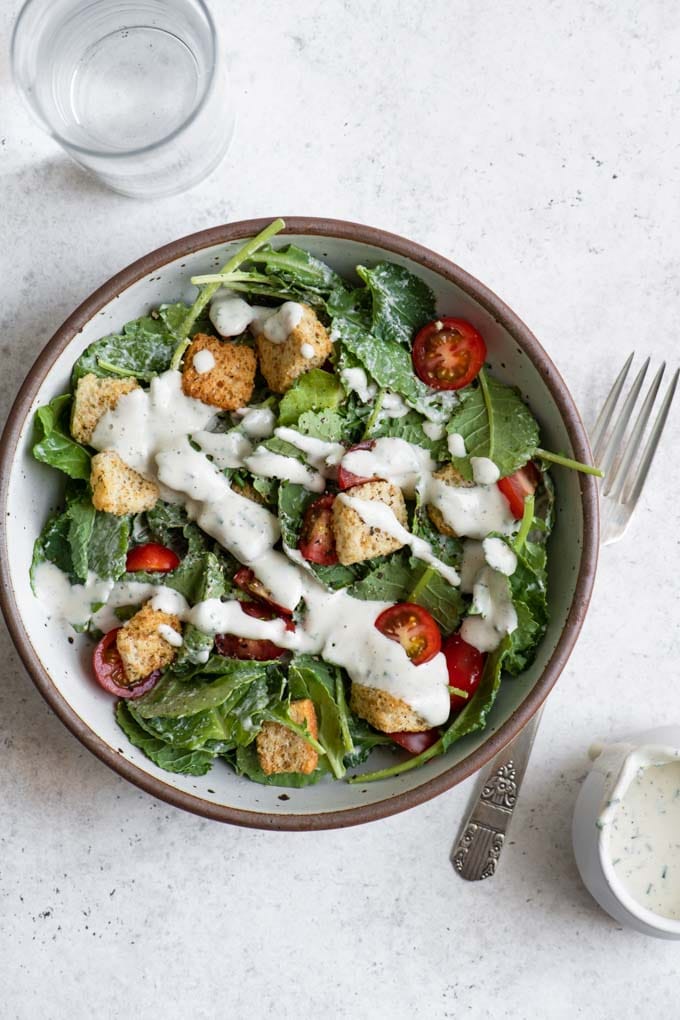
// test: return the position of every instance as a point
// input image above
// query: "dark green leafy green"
(173, 697)
(52, 545)
(311, 678)
(52, 443)
(81, 519)
(108, 545)
(387, 362)
(410, 429)
(496, 423)
(142, 349)
(172, 759)
(402, 302)
(316, 390)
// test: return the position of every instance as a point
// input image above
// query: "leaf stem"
(422, 582)
(575, 465)
(489, 409)
(375, 413)
(116, 370)
(235, 277)
(525, 527)
(207, 292)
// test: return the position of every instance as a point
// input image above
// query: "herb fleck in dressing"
(644, 838)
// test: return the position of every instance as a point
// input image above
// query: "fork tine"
(604, 417)
(617, 478)
(625, 414)
(634, 488)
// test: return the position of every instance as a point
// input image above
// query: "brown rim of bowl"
(577, 435)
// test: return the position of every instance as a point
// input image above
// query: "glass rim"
(116, 153)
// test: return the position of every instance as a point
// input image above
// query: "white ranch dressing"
(401, 463)
(456, 445)
(484, 471)
(356, 380)
(323, 455)
(641, 829)
(204, 361)
(499, 556)
(227, 449)
(73, 602)
(146, 421)
(278, 327)
(307, 351)
(433, 430)
(257, 422)
(497, 615)
(170, 635)
(289, 469)
(392, 406)
(474, 511)
(230, 315)
(379, 515)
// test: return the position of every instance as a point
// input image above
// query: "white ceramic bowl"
(590, 839)
(29, 491)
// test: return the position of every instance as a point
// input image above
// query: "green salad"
(301, 520)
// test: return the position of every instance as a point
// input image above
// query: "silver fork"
(625, 457)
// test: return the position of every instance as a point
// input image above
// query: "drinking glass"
(135, 91)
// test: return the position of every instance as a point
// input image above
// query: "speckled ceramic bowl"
(29, 491)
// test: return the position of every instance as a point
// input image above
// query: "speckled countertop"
(536, 145)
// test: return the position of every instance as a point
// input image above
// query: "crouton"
(249, 491)
(281, 750)
(354, 539)
(452, 476)
(229, 383)
(282, 363)
(94, 397)
(141, 647)
(117, 489)
(385, 712)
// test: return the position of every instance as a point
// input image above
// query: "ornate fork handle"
(478, 848)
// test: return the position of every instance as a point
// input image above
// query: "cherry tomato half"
(415, 743)
(110, 673)
(345, 478)
(317, 541)
(448, 353)
(152, 557)
(234, 647)
(518, 486)
(245, 579)
(465, 665)
(414, 628)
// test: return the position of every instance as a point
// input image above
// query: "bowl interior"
(34, 491)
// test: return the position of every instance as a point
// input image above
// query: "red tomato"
(465, 665)
(151, 556)
(448, 353)
(414, 628)
(261, 649)
(317, 541)
(345, 478)
(518, 486)
(110, 674)
(245, 579)
(415, 743)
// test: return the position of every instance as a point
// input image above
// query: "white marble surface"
(535, 144)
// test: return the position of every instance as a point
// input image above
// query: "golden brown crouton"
(281, 364)
(281, 750)
(385, 712)
(354, 539)
(452, 476)
(94, 397)
(141, 647)
(117, 489)
(229, 383)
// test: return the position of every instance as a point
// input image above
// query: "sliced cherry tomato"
(518, 486)
(234, 647)
(317, 541)
(151, 556)
(345, 478)
(414, 628)
(415, 743)
(110, 673)
(448, 353)
(245, 579)
(465, 665)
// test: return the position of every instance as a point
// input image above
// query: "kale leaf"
(142, 349)
(316, 390)
(402, 302)
(172, 759)
(52, 443)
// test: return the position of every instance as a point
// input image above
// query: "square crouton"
(94, 397)
(117, 489)
(281, 750)
(307, 347)
(451, 476)
(355, 540)
(227, 372)
(140, 645)
(385, 712)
